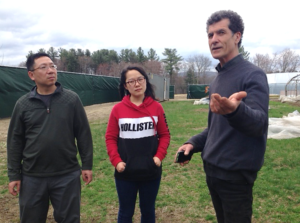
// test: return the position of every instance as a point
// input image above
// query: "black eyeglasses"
(46, 67)
(140, 80)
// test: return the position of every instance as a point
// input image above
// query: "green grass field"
(183, 194)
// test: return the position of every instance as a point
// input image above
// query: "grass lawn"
(183, 194)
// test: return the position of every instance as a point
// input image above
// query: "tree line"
(102, 62)
(195, 69)
(280, 62)
(110, 62)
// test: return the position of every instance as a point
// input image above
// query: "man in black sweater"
(234, 143)
(48, 128)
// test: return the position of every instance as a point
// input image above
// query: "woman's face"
(135, 83)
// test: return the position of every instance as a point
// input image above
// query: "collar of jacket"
(33, 92)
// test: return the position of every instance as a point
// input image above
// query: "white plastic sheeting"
(279, 128)
(202, 101)
(283, 98)
(277, 78)
(286, 127)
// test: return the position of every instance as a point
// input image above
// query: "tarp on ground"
(286, 127)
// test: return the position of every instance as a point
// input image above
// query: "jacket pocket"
(138, 165)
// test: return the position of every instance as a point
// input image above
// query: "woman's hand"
(157, 161)
(121, 167)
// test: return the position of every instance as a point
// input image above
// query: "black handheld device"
(182, 158)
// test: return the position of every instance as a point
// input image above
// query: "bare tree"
(116, 68)
(154, 67)
(180, 84)
(85, 64)
(288, 61)
(103, 69)
(265, 62)
(201, 64)
(22, 64)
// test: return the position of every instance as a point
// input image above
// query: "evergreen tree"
(52, 53)
(141, 57)
(171, 61)
(29, 54)
(42, 50)
(245, 54)
(113, 56)
(190, 77)
(128, 56)
(80, 52)
(87, 53)
(72, 61)
(152, 56)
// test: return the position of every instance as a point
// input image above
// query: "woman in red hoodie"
(137, 138)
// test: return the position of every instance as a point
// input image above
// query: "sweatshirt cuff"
(116, 161)
(160, 155)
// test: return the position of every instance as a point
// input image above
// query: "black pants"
(63, 192)
(127, 193)
(232, 200)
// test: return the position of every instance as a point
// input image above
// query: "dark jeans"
(63, 192)
(232, 200)
(127, 192)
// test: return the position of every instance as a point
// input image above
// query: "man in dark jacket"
(48, 127)
(234, 143)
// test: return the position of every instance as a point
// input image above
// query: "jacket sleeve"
(163, 134)
(198, 141)
(251, 117)
(111, 139)
(15, 145)
(83, 136)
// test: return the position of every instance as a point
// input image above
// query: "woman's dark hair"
(149, 87)
(32, 57)
(236, 23)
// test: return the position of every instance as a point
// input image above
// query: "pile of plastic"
(283, 98)
(202, 101)
(286, 127)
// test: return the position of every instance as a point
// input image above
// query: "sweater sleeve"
(163, 134)
(111, 139)
(251, 117)
(83, 136)
(198, 141)
(15, 145)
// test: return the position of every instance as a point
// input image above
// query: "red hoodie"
(134, 135)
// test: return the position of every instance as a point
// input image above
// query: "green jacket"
(41, 140)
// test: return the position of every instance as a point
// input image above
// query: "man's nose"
(214, 39)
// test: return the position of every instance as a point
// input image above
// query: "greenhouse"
(278, 81)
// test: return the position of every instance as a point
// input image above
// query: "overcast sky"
(270, 26)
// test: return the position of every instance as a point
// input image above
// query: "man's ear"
(31, 76)
(238, 37)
